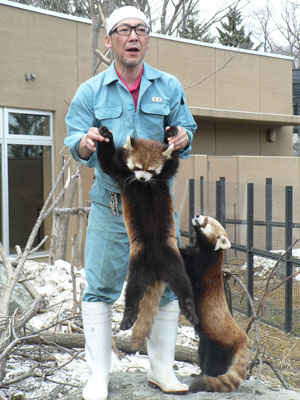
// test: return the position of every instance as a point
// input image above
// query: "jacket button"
(129, 107)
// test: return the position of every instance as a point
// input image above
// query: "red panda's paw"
(129, 318)
(187, 307)
(172, 131)
(105, 132)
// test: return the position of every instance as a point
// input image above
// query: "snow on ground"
(262, 265)
(55, 283)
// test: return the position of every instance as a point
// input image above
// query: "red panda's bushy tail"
(227, 382)
(147, 310)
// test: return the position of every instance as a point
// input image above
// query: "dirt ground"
(281, 348)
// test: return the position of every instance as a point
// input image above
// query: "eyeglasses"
(125, 30)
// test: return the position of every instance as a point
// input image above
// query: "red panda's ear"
(129, 144)
(222, 243)
(167, 153)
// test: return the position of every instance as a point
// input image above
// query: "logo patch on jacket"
(156, 99)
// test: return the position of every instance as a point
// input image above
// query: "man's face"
(130, 50)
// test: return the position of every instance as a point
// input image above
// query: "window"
(28, 124)
(27, 160)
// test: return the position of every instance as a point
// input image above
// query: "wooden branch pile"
(60, 222)
(11, 325)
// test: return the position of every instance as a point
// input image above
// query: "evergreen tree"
(233, 33)
(195, 31)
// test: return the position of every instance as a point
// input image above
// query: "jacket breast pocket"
(109, 116)
(154, 116)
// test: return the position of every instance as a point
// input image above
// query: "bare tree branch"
(269, 290)
(228, 61)
(7, 263)
(277, 373)
(107, 61)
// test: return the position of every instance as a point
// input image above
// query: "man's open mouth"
(133, 50)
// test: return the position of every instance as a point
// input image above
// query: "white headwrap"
(123, 13)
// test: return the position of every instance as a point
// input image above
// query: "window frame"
(8, 139)
(2, 160)
(27, 139)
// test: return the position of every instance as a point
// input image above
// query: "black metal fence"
(254, 241)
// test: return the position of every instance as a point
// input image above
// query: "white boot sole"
(156, 385)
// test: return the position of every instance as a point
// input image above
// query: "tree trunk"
(62, 225)
(76, 340)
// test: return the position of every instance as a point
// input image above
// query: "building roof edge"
(45, 12)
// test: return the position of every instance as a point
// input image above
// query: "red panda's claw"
(125, 325)
(188, 310)
(192, 318)
(103, 130)
(129, 318)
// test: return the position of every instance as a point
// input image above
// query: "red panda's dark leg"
(108, 158)
(136, 288)
(213, 359)
(179, 282)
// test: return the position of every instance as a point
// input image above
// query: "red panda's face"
(141, 172)
(213, 230)
(146, 158)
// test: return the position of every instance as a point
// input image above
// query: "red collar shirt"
(135, 88)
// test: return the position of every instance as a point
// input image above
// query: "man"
(130, 98)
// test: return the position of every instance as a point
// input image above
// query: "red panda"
(223, 347)
(142, 169)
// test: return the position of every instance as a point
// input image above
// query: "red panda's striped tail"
(227, 382)
(147, 310)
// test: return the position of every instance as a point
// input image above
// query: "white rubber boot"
(161, 350)
(96, 319)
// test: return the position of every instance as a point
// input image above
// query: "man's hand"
(181, 140)
(88, 143)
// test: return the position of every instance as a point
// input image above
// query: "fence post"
(288, 263)
(191, 209)
(218, 201)
(250, 234)
(201, 195)
(269, 214)
(222, 200)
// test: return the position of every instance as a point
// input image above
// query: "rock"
(133, 386)
(280, 271)
(296, 148)
(20, 298)
(17, 396)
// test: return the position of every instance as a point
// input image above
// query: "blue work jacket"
(104, 100)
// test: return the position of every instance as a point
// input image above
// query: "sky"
(209, 7)
(247, 7)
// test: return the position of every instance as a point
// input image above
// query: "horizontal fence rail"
(282, 319)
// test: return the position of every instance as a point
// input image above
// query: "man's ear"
(108, 42)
